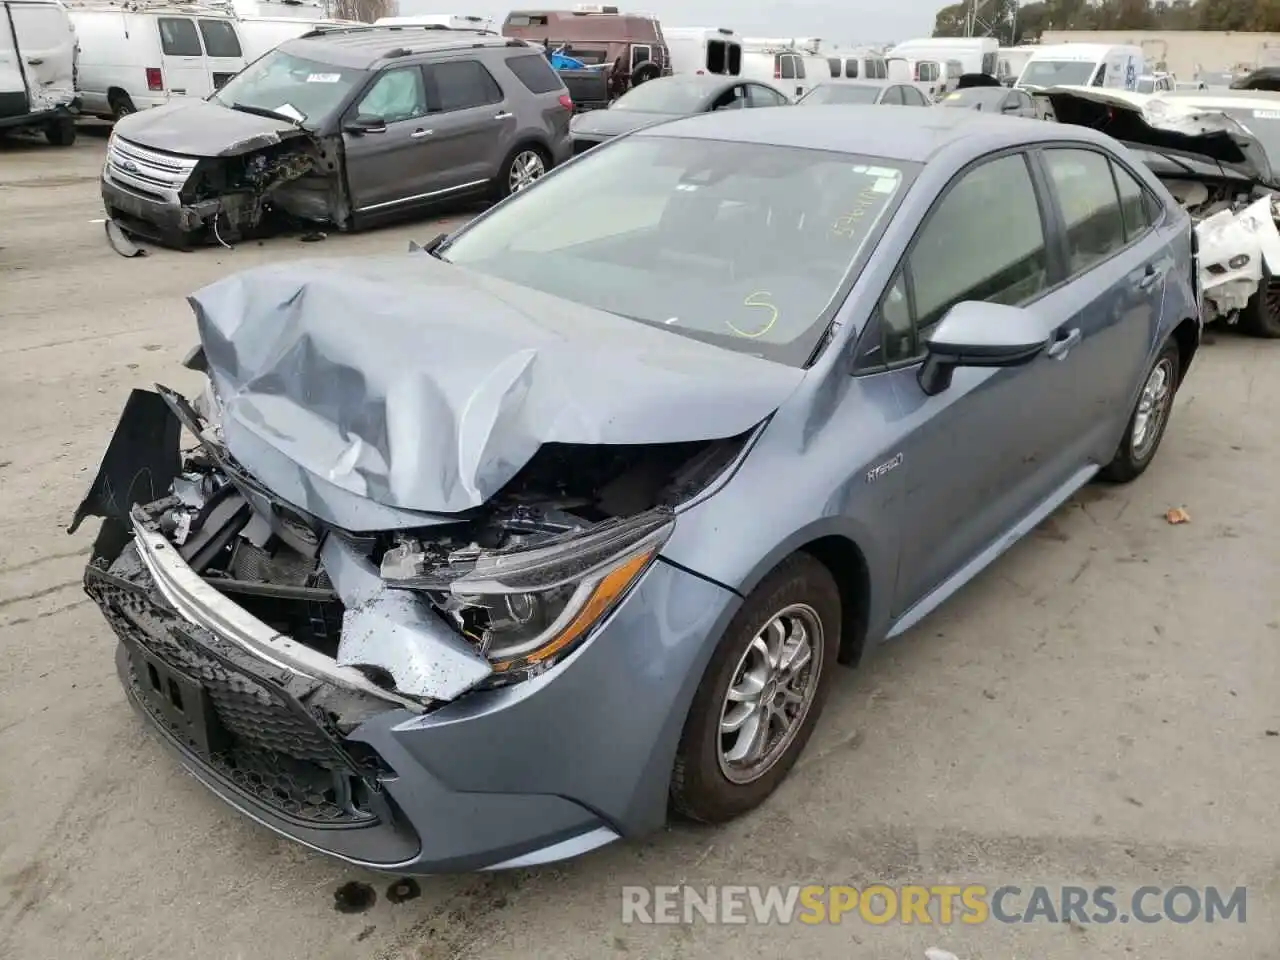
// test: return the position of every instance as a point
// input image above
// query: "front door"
(390, 166)
(981, 454)
(46, 44)
(474, 128)
(185, 73)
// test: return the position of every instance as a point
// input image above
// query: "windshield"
(1055, 73)
(303, 90)
(738, 244)
(1263, 124)
(840, 93)
(665, 95)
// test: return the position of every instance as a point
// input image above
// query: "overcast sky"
(839, 21)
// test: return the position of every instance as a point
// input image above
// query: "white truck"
(38, 69)
(704, 50)
(1114, 66)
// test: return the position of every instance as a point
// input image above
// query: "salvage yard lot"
(1099, 707)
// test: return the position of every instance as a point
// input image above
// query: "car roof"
(859, 82)
(891, 132)
(365, 47)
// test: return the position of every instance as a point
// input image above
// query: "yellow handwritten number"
(757, 299)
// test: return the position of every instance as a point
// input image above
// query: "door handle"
(419, 134)
(1064, 342)
(1150, 277)
(503, 115)
(35, 61)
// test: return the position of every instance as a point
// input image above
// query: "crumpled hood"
(1168, 125)
(202, 128)
(426, 387)
(614, 123)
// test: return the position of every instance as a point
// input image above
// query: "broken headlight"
(526, 608)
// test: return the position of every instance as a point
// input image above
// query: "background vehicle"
(1155, 83)
(1183, 85)
(142, 54)
(792, 69)
(935, 77)
(1014, 103)
(704, 50)
(794, 434)
(1083, 64)
(1010, 61)
(451, 21)
(629, 47)
(38, 69)
(345, 127)
(831, 92)
(858, 65)
(261, 34)
(976, 54)
(667, 98)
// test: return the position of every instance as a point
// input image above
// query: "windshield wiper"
(264, 112)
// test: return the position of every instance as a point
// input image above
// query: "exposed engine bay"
(486, 598)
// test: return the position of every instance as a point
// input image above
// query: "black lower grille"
(254, 736)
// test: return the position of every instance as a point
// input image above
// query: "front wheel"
(1148, 421)
(761, 695)
(522, 169)
(1261, 315)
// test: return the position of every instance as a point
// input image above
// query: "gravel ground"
(1094, 709)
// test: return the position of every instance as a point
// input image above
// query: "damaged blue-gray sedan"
(493, 552)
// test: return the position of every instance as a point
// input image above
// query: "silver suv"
(341, 127)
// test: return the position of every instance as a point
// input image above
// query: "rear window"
(535, 73)
(220, 38)
(178, 37)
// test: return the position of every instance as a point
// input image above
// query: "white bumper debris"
(1234, 247)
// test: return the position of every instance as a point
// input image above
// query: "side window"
(882, 69)
(893, 95)
(735, 98)
(799, 67)
(1135, 208)
(459, 85)
(786, 67)
(851, 68)
(833, 64)
(1090, 206)
(178, 37)
(220, 38)
(535, 73)
(396, 95)
(758, 96)
(928, 72)
(639, 54)
(995, 200)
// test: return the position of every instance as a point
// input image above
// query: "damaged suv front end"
(376, 603)
(1212, 150)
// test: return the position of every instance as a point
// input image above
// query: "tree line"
(997, 17)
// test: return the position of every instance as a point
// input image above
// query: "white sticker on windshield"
(881, 172)
(885, 185)
(324, 78)
(1266, 114)
(290, 111)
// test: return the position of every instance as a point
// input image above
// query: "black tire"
(700, 788)
(61, 132)
(505, 185)
(1131, 458)
(644, 72)
(1261, 315)
(121, 105)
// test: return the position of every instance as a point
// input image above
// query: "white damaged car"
(1213, 150)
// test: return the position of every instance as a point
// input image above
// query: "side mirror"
(362, 125)
(978, 334)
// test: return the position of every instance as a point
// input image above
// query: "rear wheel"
(121, 104)
(1148, 421)
(61, 132)
(761, 695)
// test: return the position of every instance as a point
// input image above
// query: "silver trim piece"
(573, 847)
(204, 606)
(421, 196)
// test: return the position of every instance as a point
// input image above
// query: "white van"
(141, 53)
(703, 50)
(38, 68)
(975, 54)
(859, 65)
(1083, 65)
(1010, 61)
(936, 78)
(791, 69)
(259, 35)
(450, 21)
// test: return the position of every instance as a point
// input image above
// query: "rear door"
(46, 45)
(473, 127)
(1116, 263)
(224, 55)
(393, 168)
(182, 58)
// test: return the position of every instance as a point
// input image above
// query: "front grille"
(265, 742)
(151, 172)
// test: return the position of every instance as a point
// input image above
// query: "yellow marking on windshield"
(846, 225)
(757, 299)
